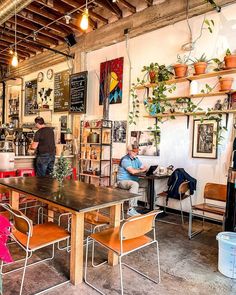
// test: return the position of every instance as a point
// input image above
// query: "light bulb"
(11, 51)
(14, 61)
(84, 20)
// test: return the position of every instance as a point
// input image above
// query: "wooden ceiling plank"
(42, 22)
(112, 7)
(129, 6)
(21, 30)
(32, 27)
(19, 47)
(98, 17)
(25, 44)
(52, 16)
(8, 55)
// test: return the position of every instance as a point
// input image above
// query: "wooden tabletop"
(153, 176)
(75, 195)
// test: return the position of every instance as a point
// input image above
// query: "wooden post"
(14, 199)
(77, 247)
(115, 221)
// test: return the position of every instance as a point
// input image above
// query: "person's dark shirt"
(46, 141)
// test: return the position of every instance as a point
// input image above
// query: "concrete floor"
(187, 267)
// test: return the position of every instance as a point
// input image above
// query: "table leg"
(14, 199)
(50, 214)
(151, 193)
(77, 247)
(115, 221)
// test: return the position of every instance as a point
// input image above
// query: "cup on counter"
(162, 170)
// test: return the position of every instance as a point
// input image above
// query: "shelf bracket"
(226, 120)
(188, 119)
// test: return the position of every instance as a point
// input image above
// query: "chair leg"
(86, 269)
(158, 263)
(93, 249)
(23, 276)
(121, 276)
(181, 210)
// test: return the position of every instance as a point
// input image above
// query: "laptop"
(151, 170)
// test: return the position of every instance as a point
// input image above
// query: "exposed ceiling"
(41, 24)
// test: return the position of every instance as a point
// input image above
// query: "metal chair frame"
(122, 254)
(202, 215)
(28, 252)
(180, 203)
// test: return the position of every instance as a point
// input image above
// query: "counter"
(28, 161)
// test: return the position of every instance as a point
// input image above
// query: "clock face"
(40, 76)
(50, 74)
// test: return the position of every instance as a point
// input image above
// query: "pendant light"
(14, 61)
(84, 20)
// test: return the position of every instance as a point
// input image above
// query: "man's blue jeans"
(44, 164)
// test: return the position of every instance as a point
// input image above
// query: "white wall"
(162, 46)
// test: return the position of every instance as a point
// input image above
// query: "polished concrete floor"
(187, 267)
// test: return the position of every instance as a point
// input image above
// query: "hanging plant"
(62, 169)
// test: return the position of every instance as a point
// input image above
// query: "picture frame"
(204, 144)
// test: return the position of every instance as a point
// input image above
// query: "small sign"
(61, 91)
(30, 97)
(78, 92)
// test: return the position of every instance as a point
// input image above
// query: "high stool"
(26, 172)
(73, 174)
(4, 174)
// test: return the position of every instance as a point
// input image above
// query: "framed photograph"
(147, 142)
(119, 131)
(205, 139)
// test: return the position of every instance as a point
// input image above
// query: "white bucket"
(227, 254)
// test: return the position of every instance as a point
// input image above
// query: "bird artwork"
(44, 94)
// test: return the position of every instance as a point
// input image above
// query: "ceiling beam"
(19, 47)
(52, 16)
(129, 6)
(42, 22)
(6, 53)
(22, 32)
(98, 17)
(112, 7)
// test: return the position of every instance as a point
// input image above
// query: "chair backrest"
(215, 191)
(183, 189)
(138, 226)
(20, 221)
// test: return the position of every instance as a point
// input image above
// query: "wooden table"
(151, 187)
(74, 197)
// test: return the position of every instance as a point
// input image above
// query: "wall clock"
(50, 74)
(40, 76)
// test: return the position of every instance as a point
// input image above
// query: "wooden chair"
(183, 194)
(212, 192)
(128, 238)
(33, 237)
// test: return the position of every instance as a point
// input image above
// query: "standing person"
(44, 144)
(127, 178)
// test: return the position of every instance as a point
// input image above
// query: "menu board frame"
(66, 98)
(32, 99)
(84, 74)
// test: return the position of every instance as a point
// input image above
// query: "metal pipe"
(7, 8)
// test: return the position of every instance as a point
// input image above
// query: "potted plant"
(200, 64)
(226, 83)
(61, 170)
(181, 66)
(68, 134)
(152, 71)
(230, 59)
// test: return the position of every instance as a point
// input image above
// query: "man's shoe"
(132, 212)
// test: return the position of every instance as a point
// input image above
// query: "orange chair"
(26, 172)
(212, 192)
(33, 237)
(129, 237)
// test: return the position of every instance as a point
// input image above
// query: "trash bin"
(227, 254)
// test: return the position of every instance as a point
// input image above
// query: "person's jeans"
(133, 187)
(44, 164)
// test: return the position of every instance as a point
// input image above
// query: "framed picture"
(147, 142)
(205, 139)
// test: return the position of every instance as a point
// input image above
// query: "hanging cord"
(15, 28)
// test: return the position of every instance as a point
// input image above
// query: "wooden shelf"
(199, 95)
(190, 78)
(94, 176)
(92, 160)
(192, 114)
(43, 110)
(88, 143)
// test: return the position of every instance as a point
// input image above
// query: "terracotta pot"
(180, 70)
(152, 76)
(200, 67)
(226, 83)
(230, 61)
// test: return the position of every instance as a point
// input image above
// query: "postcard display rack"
(95, 152)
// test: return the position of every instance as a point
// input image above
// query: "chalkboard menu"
(30, 97)
(78, 92)
(61, 91)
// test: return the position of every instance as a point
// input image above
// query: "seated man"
(127, 177)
